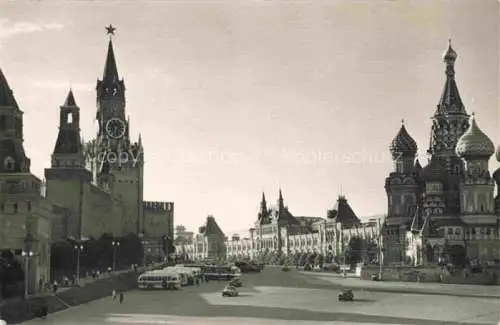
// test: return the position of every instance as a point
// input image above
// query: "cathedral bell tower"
(449, 123)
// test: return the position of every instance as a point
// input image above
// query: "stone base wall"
(430, 274)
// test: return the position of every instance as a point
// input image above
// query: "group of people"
(120, 297)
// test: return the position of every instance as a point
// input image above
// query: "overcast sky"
(238, 97)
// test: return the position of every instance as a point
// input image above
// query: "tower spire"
(12, 155)
(281, 205)
(110, 69)
(70, 99)
(450, 101)
(6, 94)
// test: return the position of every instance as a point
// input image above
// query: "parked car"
(346, 295)
(285, 269)
(248, 267)
(229, 291)
(236, 282)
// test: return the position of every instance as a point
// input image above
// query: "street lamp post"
(78, 248)
(27, 253)
(166, 244)
(116, 245)
(380, 250)
(144, 243)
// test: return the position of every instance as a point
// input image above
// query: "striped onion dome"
(474, 143)
(403, 144)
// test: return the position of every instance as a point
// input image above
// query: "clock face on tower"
(115, 128)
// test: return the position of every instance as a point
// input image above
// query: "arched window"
(9, 163)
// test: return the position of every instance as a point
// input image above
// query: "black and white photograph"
(220, 162)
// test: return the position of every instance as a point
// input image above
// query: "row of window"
(15, 207)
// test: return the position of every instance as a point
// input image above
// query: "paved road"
(275, 297)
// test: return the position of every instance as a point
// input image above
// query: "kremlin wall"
(84, 195)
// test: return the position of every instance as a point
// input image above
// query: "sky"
(234, 98)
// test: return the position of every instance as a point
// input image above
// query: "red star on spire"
(110, 30)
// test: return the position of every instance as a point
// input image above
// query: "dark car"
(229, 291)
(248, 267)
(236, 282)
(346, 295)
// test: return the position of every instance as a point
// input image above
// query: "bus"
(186, 275)
(159, 279)
(222, 272)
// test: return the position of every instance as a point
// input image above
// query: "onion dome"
(433, 172)
(450, 54)
(474, 143)
(403, 144)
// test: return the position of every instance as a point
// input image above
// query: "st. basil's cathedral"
(445, 211)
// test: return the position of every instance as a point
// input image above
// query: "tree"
(11, 276)
(303, 259)
(354, 251)
(329, 258)
(319, 260)
(62, 258)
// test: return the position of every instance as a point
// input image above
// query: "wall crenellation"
(156, 206)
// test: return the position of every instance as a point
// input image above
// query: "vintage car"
(236, 282)
(229, 291)
(346, 295)
(285, 269)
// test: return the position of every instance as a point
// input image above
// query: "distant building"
(278, 231)
(208, 244)
(182, 236)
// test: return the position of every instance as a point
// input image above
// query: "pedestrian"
(44, 310)
(197, 281)
(113, 294)
(121, 297)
